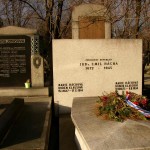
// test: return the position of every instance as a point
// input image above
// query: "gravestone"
(14, 60)
(20, 60)
(19, 49)
(90, 21)
(85, 68)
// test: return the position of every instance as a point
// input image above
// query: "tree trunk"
(58, 20)
(49, 19)
(138, 11)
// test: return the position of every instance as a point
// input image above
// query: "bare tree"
(14, 13)
(129, 18)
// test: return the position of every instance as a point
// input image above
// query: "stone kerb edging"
(92, 133)
(32, 129)
(8, 117)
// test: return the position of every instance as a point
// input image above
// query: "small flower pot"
(27, 85)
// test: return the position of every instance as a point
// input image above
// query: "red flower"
(127, 92)
(144, 101)
(136, 103)
(128, 97)
(104, 98)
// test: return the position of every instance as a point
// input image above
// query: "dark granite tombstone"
(15, 64)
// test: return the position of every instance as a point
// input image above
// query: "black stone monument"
(15, 64)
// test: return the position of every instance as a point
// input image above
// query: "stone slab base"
(23, 92)
(93, 133)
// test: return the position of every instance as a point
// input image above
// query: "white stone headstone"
(85, 68)
(87, 10)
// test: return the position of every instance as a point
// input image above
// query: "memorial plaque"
(15, 65)
(91, 28)
(91, 67)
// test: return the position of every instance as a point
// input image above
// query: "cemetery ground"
(62, 128)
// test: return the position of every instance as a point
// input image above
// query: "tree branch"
(35, 10)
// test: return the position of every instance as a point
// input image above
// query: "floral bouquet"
(117, 107)
(138, 102)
